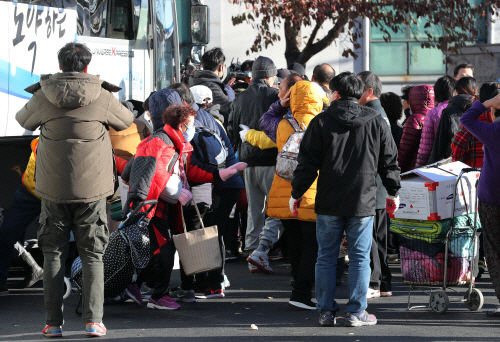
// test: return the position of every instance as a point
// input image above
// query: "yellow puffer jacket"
(28, 179)
(259, 139)
(305, 103)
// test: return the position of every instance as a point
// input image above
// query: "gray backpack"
(287, 162)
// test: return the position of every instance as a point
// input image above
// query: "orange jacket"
(305, 103)
(28, 178)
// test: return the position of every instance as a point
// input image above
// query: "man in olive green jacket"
(74, 175)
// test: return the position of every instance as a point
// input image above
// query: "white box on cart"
(427, 193)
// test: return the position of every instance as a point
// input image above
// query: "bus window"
(165, 43)
(123, 20)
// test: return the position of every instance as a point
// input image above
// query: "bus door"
(164, 43)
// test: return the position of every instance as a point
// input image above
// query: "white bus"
(134, 44)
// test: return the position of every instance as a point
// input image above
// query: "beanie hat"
(297, 68)
(263, 67)
(200, 93)
(160, 101)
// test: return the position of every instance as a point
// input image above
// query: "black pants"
(192, 223)
(381, 274)
(303, 252)
(162, 263)
(219, 216)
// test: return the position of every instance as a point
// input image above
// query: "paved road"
(258, 299)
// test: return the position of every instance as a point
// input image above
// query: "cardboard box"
(427, 193)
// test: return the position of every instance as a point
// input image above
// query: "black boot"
(33, 272)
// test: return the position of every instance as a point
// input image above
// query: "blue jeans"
(329, 231)
(22, 212)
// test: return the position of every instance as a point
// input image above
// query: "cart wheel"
(67, 288)
(439, 301)
(476, 300)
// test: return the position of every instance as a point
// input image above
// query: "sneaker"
(134, 292)
(4, 291)
(302, 302)
(261, 260)
(494, 313)
(146, 291)
(52, 331)
(359, 319)
(180, 295)
(276, 254)
(164, 303)
(253, 269)
(209, 293)
(225, 283)
(372, 293)
(95, 329)
(327, 319)
(385, 293)
(229, 255)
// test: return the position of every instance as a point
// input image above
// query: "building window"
(404, 54)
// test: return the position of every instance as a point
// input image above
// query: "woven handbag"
(199, 250)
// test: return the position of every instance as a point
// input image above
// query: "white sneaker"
(372, 293)
(261, 260)
(385, 294)
(252, 268)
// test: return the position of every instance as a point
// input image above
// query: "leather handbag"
(199, 250)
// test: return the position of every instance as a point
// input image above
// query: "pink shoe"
(134, 292)
(164, 303)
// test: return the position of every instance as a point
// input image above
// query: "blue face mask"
(189, 134)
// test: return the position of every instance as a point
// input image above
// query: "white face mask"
(189, 133)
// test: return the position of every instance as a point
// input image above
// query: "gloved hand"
(185, 197)
(243, 132)
(294, 205)
(240, 166)
(391, 204)
(226, 173)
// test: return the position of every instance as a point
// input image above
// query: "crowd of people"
(199, 147)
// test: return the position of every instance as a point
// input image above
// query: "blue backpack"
(209, 148)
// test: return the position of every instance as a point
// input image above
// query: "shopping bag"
(199, 250)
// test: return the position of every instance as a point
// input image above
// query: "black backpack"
(209, 148)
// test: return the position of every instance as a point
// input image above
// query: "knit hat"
(263, 67)
(297, 68)
(200, 93)
(160, 101)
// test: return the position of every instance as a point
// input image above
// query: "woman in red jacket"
(157, 157)
(421, 101)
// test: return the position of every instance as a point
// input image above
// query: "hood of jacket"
(202, 76)
(160, 101)
(350, 114)
(305, 99)
(462, 101)
(421, 99)
(71, 90)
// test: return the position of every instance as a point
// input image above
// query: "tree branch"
(312, 49)
(314, 33)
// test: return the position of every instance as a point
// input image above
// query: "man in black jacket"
(380, 279)
(248, 108)
(349, 144)
(213, 63)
